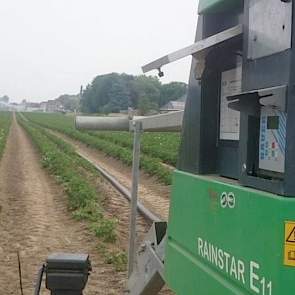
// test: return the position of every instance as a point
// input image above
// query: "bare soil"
(154, 195)
(34, 220)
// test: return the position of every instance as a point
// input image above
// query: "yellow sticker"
(290, 232)
(289, 255)
(289, 248)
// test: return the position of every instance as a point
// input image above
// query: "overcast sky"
(51, 47)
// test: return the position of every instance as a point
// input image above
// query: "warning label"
(289, 248)
(231, 84)
(290, 232)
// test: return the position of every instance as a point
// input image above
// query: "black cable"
(39, 280)
(20, 274)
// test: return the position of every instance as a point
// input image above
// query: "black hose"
(123, 190)
(39, 280)
(20, 274)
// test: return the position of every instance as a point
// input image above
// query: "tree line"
(4, 98)
(115, 92)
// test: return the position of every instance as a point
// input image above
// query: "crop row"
(159, 145)
(5, 122)
(162, 145)
(151, 165)
(74, 174)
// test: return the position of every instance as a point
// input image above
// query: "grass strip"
(5, 123)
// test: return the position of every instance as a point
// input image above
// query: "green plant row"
(69, 169)
(162, 145)
(159, 145)
(152, 166)
(5, 122)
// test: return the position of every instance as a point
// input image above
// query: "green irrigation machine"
(231, 228)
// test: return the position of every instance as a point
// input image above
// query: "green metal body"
(212, 250)
(213, 6)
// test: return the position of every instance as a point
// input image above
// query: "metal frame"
(158, 123)
(195, 49)
(145, 266)
(134, 196)
(265, 37)
(148, 276)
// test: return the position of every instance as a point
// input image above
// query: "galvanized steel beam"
(199, 47)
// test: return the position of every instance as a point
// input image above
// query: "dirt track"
(34, 220)
(152, 194)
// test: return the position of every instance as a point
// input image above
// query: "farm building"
(174, 105)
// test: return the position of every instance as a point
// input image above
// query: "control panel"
(272, 139)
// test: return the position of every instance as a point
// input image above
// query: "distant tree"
(114, 92)
(69, 102)
(85, 102)
(119, 97)
(172, 91)
(107, 93)
(145, 106)
(4, 98)
(143, 88)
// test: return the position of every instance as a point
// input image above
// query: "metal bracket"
(270, 27)
(148, 275)
(195, 49)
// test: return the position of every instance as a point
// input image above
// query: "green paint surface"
(214, 6)
(252, 232)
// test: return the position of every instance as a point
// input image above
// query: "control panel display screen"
(273, 122)
(272, 140)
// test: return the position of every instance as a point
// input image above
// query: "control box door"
(229, 124)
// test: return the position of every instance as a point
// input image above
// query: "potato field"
(5, 121)
(159, 150)
(54, 199)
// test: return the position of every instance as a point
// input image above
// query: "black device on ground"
(66, 274)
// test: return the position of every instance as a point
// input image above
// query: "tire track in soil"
(34, 220)
(152, 194)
